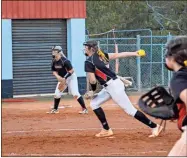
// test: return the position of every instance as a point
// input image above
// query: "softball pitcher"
(113, 87)
(65, 74)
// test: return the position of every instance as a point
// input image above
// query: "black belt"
(105, 85)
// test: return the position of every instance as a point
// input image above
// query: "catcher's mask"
(158, 103)
(177, 48)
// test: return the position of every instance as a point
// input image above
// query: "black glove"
(159, 104)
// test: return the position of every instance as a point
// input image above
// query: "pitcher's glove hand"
(126, 82)
(62, 85)
(90, 95)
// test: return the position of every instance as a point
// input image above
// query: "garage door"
(32, 43)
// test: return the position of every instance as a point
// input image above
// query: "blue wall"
(75, 40)
(6, 49)
(7, 73)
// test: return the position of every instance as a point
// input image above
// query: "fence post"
(98, 44)
(151, 59)
(163, 76)
(169, 37)
(138, 65)
(107, 43)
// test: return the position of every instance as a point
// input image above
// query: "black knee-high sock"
(56, 103)
(81, 102)
(142, 118)
(101, 116)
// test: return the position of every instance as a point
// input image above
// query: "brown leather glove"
(62, 86)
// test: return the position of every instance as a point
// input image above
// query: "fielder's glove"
(158, 103)
(126, 82)
(90, 95)
(62, 86)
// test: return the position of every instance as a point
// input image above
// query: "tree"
(160, 16)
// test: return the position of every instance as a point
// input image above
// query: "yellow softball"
(185, 62)
(141, 52)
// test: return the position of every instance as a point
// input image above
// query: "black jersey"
(97, 66)
(178, 83)
(62, 66)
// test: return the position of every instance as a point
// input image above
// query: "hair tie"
(102, 55)
(185, 62)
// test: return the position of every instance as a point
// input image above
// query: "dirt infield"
(28, 131)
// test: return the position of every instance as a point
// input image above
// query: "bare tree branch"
(157, 14)
(158, 7)
(171, 21)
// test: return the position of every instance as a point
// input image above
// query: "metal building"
(30, 29)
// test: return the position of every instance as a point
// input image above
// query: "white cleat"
(156, 131)
(85, 111)
(105, 133)
(53, 111)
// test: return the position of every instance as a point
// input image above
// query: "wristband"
(93, 86)
(67, 75)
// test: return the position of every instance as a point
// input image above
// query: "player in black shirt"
(64, 72)
(113, 87)
(176, 60)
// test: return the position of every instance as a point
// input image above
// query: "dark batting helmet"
(90, 43)
(177, 48)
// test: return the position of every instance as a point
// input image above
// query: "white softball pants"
(115, 91)
(180, 147)
(72, 85)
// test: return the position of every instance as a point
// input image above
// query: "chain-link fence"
(144, 72)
